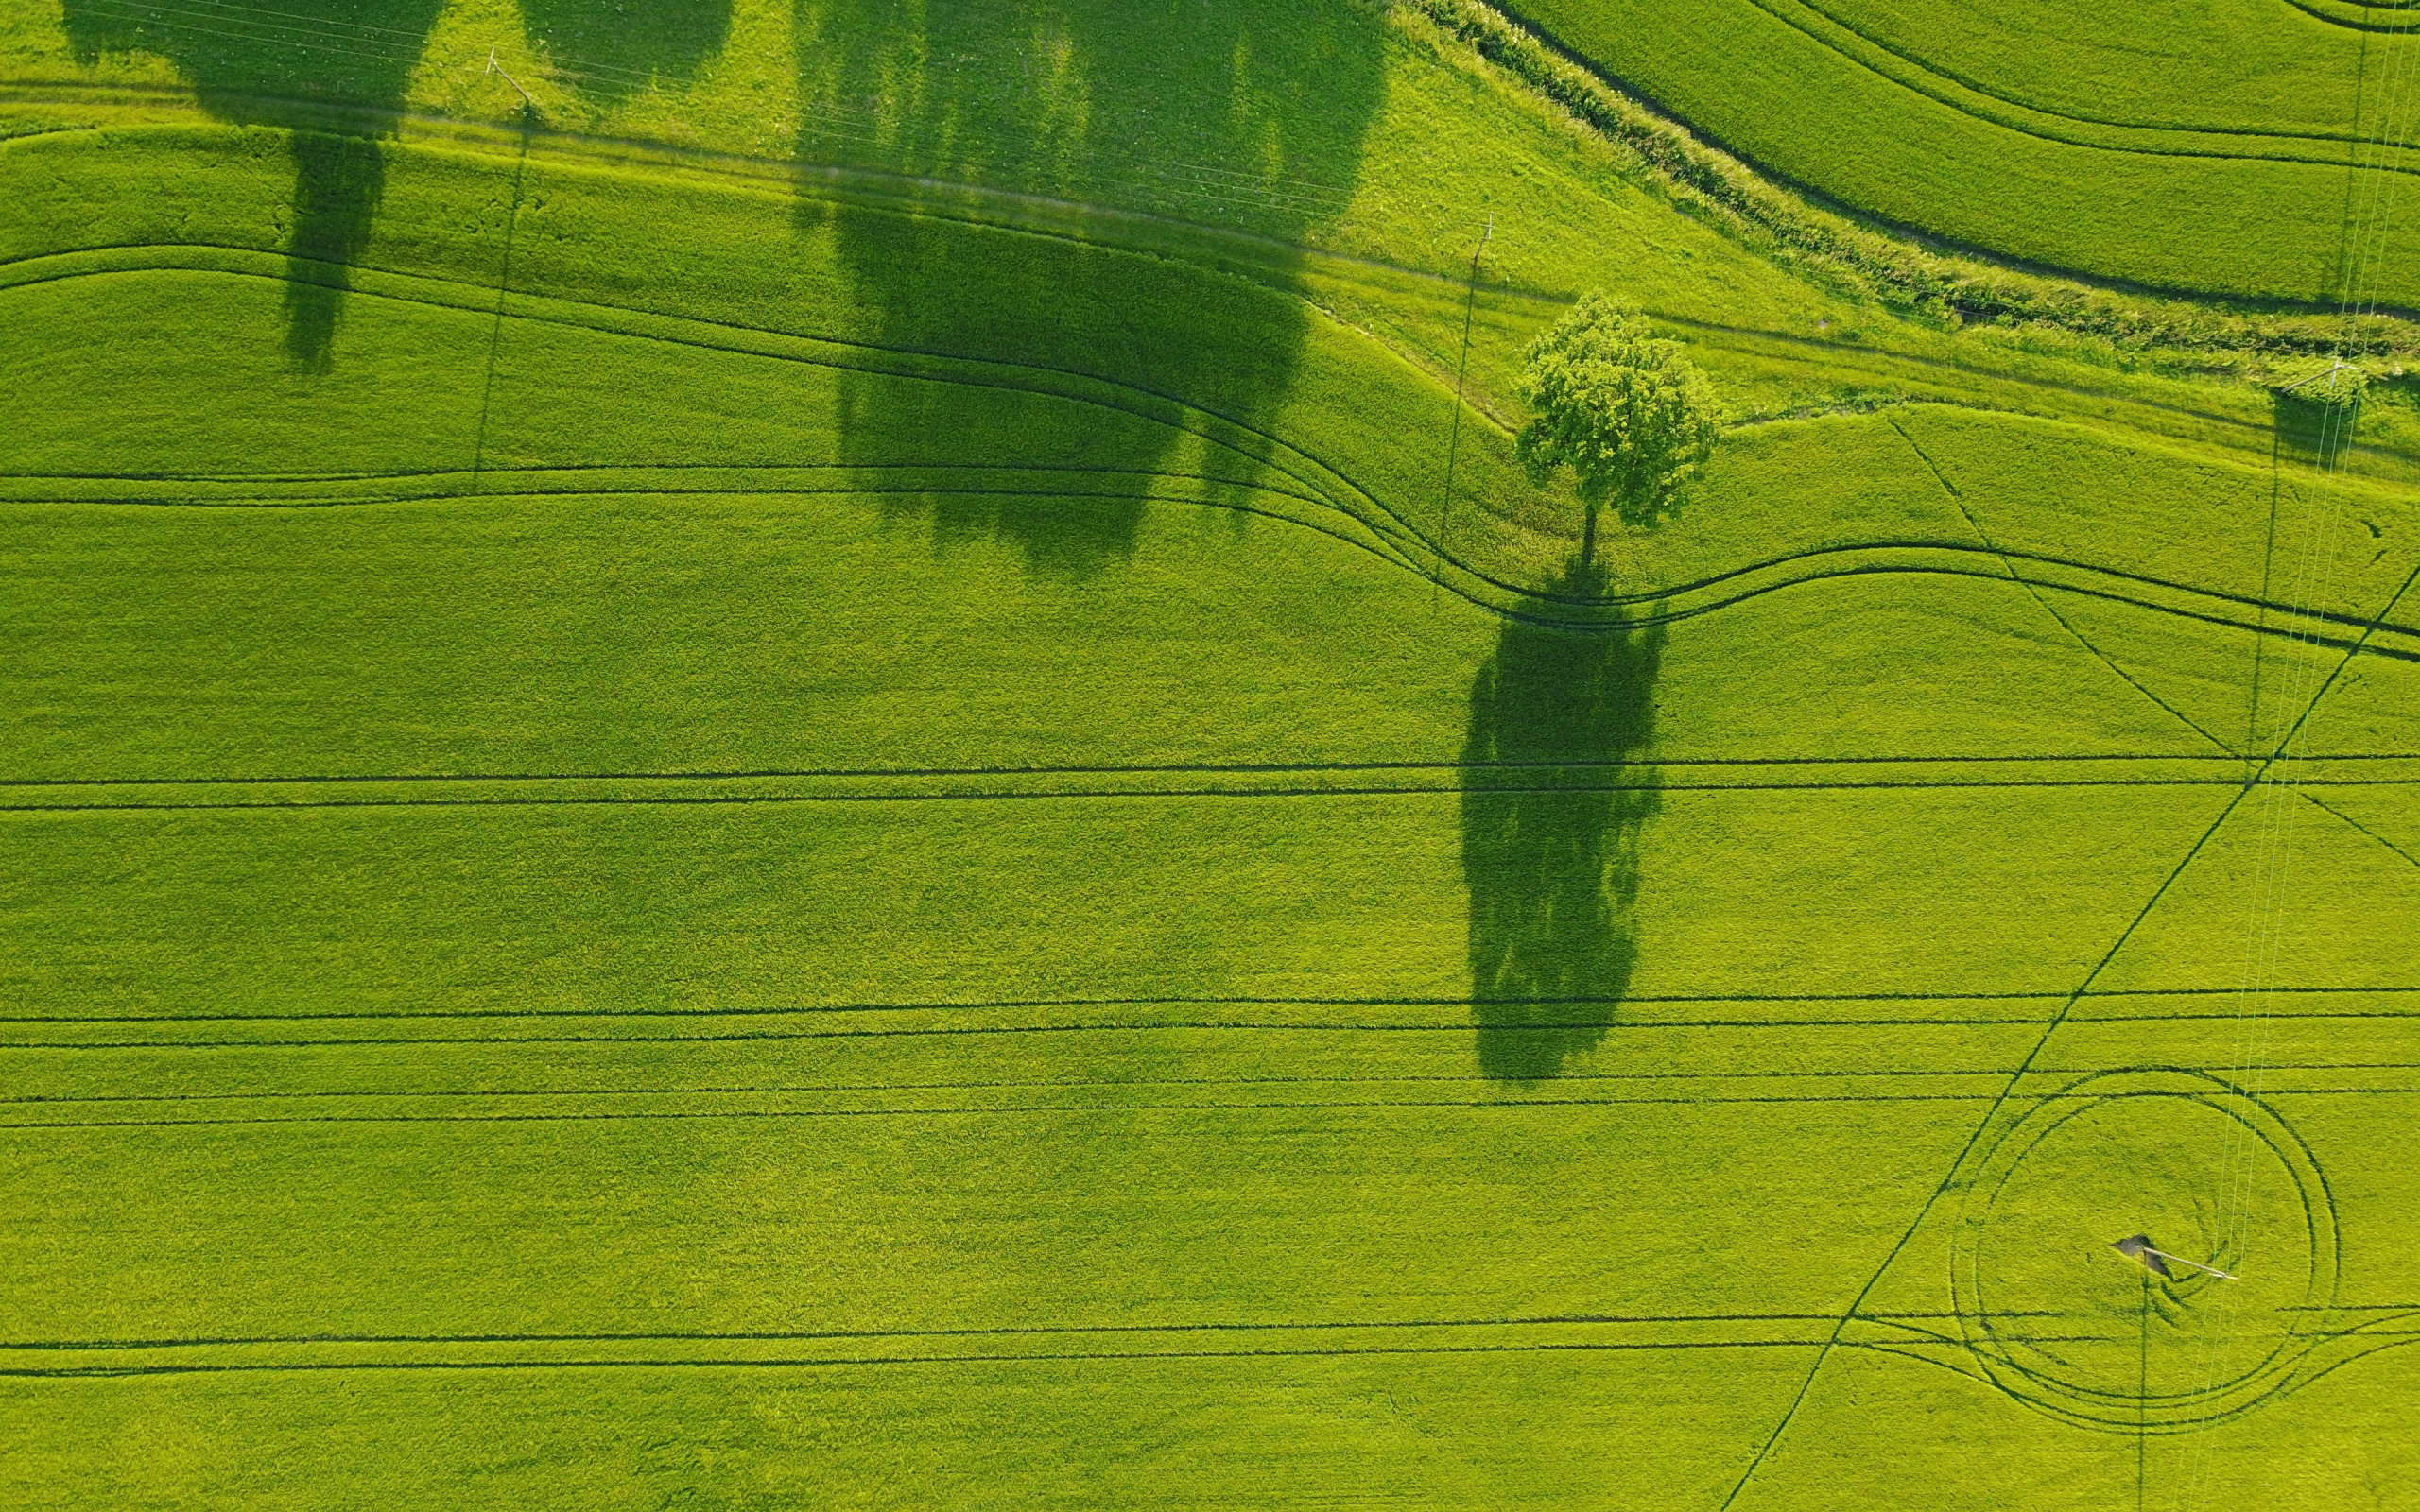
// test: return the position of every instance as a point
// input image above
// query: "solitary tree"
(1630, 415)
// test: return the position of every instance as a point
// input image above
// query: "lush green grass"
(697, 832)
(2128, 144)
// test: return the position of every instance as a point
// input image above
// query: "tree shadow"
(329, 72)
(1557, 793)
(1205, 113)
(612, 49)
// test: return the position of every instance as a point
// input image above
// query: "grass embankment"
(837, 846)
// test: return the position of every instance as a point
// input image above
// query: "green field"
(2216, 146)
(853, 773)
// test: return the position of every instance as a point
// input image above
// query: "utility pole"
(2328, 372)
(527, 104)
(2138, 1248)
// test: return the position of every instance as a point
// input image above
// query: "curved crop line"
(1833, 354)
(1401, 534)
(1983, 575)
(1942, 93)
(1661, 597)
(1657, 595)
(2297, 1377)
(1393, 529)
(877, 191)
(1398, 540)
(2402, 21)
(1977, 86)
(1358, 270)
(2290, 1377)
(1212, 481)
(164, 260)
(1663, 615)
(864, 188)
(594, 149)
(573, 485)
(1671, 616)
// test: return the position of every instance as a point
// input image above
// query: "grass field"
(806, 786)
(2213, 147)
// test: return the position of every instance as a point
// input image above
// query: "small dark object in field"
(2138, 1247)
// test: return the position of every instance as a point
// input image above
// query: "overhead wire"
(2215, 1330)
(2279, 776)
(832, 121)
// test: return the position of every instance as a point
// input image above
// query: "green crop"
(908, 818)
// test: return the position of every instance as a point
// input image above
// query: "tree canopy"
(1630, 415)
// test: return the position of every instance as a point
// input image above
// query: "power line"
(1454, 441)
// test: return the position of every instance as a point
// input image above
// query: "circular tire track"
(2060, 1321)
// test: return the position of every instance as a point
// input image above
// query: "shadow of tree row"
(1237, 103)
(332, 73)
(1558, 793)
(1216, 111)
